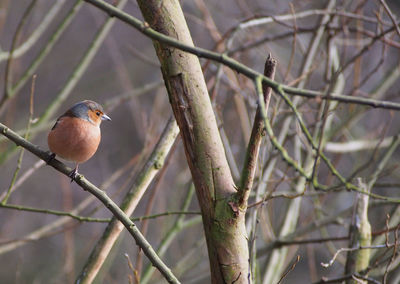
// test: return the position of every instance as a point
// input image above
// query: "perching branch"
(101, 195)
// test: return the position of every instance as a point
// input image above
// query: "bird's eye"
(98, 113)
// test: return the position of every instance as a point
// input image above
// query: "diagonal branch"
(101, 195)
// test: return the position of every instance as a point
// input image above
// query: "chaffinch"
(76, 134)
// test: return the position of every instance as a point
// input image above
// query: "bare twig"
(290, 269)
(37, 33)
(395, 252)
(332, 261)
(391, 16)
(8, 71)
(91, 219)
(13, 89)
(27, 133)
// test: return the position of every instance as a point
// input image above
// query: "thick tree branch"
(222, 220)
(101, 195)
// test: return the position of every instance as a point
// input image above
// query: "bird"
(76, 134)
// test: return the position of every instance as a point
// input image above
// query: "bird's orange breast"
(74, 139)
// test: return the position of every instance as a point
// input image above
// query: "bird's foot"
(73, 174)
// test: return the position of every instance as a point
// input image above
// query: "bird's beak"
(105, 117)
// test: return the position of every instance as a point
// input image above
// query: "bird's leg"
(74, 173)
(51, 158)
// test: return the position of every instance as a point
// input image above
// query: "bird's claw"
(73, 174)
(51, 158)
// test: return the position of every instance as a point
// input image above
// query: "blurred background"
(77, 53)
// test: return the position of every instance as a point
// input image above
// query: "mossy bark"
(223, 222)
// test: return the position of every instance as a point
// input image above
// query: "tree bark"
(223, 221)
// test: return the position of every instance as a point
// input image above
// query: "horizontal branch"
(91, 219)
(358, 145)
(101, 195)
(144, 28)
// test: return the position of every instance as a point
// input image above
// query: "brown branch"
(290, 269)
(391, 16)
(250, 162)
(8, 68)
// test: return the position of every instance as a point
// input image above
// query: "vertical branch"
(222, 220)
(21, 155)
(8, 71)
(360, 236)
(250, 162)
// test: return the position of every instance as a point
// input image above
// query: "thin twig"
(8, 71)
(36, 34)
(391, 16)
(21, 155)
(91, 219)
(332, 261)
(395, 253)
(290, 269)
(13, 89)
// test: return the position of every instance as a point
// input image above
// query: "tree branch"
(250, 162)
(92, 219)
